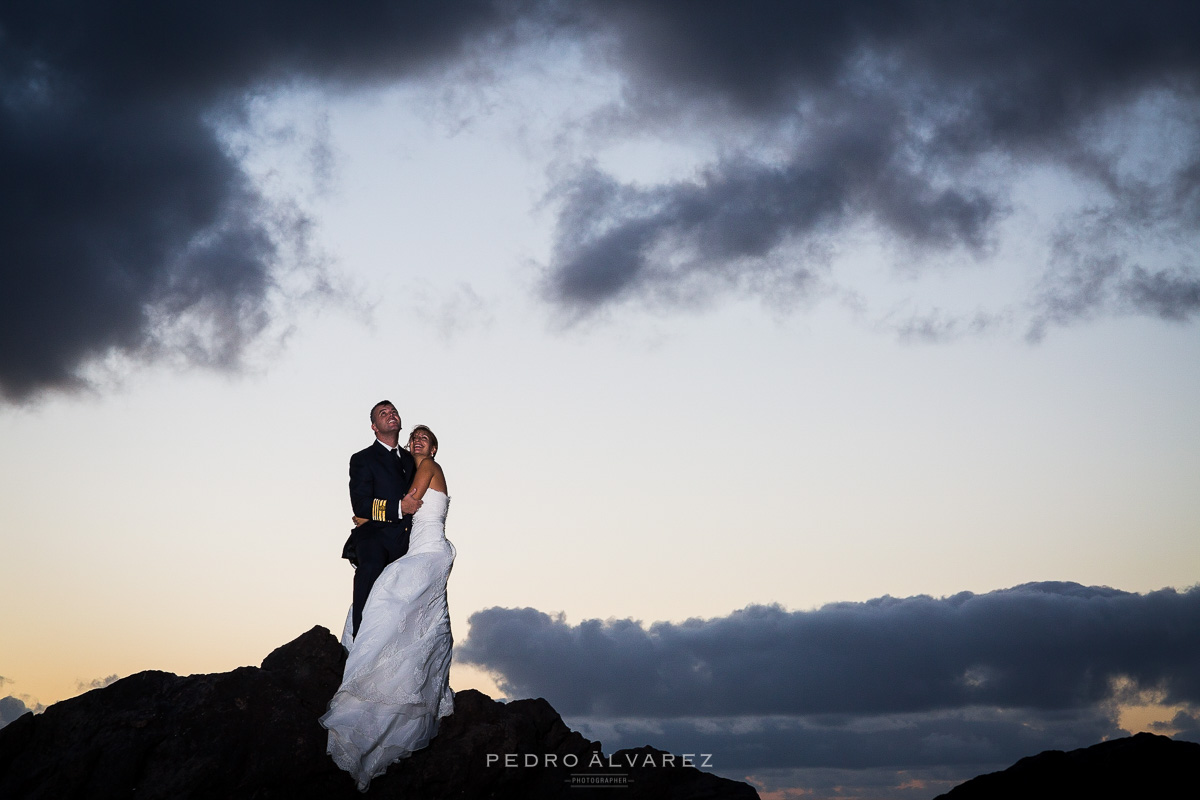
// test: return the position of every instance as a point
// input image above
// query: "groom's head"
(385, 418)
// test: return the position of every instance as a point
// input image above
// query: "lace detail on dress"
(396, 686)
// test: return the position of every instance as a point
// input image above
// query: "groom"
(379, 480)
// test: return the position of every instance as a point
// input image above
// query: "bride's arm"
(421, 480)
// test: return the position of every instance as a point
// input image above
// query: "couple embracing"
(396, 685)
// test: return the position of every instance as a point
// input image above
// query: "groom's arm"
(411, 501)
(363, 496)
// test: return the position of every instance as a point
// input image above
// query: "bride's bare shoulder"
(439, 478)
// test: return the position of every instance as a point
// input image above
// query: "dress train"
(396, 687)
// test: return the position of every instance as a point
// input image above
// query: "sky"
(816, 384)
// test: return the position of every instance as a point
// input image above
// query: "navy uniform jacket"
(378, 481)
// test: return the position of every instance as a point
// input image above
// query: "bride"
(396, 687)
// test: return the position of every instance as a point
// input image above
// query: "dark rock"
(253, 733)
(1143, 765)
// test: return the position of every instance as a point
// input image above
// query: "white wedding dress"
(396, 686)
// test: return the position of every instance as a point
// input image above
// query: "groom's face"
(386, 420)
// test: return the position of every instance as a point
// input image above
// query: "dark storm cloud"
(908, 115)
(615, 241)
(1049, 646)
(1185, 723)
(1092, 270)
(1167, 294)
(127, 228)
(1108, 284)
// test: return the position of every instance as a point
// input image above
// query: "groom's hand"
(409, 504)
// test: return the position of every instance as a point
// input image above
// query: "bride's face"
(420, 444)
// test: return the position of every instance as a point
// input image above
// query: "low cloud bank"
(894, 698)
(1043, 646)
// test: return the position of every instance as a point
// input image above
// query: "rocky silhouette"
(253, 733)
(1138, 766)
